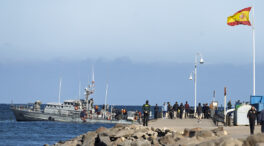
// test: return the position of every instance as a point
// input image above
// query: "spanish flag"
(240, 17)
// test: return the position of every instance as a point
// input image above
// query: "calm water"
(43, 132)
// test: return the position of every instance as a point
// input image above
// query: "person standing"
(199, 112)
(146, 111)
(170, 110)
(186, 106)
(83, 115)
(156, 111)
(252, 113)
(175, 109)
(261, 120)
(181, 110)
(164, 110)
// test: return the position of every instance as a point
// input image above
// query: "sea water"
(42, 132)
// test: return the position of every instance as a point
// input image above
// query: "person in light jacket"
(164, 110)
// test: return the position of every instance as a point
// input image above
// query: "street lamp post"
(195, 77)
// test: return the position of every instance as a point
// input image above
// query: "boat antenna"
(60, 90)
(79, 89)
(106, 92)
(93, 81)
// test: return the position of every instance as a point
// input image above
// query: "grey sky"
(144, 48)
(144, 31)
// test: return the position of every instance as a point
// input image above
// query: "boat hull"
(28, 115)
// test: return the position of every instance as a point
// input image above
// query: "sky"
(144, 49)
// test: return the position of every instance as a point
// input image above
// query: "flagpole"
(254, 53)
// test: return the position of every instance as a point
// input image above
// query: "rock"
(104, 140)
(208, 143)
(204, 134)
(124, 133)
(165, 140)
(190, 132)
(138, 135)
(88, 139)
(186, 132)
(224, 141)
(72, 142)
(118, 141)
(119, 126)
(160, 132)
(150, 133)
(101, 129)
(140, 143)
(154, 142)
(230, 142)
(145, 136)
(220, 131)
(125, 143)
(254, 139)
(185, 141)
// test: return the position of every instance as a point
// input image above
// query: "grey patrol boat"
(81, 111)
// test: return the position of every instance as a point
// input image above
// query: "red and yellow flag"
(240, 17)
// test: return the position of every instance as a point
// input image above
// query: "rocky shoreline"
(137, 135)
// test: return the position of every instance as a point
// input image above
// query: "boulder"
(89, 138)
(219, 131)
(208, 143)
(140, 143)
(104, 140)
(101, 129)
(72, 142)
(160, 132)
(223, 141)
(166, 140)
(229, 141)
(254, 139)
(204, 134)
(119, 126)
(124, 133)
(190, 132)
(138, 135)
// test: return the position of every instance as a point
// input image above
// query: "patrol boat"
(81, 111)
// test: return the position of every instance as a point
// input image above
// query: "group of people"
(203, 111)
(176, 110)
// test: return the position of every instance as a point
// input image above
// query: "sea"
(37, 133)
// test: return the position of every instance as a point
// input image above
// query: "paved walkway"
(181, 124)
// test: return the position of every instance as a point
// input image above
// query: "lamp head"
(190, 78)
(201, 61)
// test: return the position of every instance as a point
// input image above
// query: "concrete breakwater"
(137, 135)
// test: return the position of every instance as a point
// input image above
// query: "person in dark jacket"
(199, 112)
(83, 115)
(146, 111)
(170, 110)
(261, 120)
(156, 111)
(252, 114)
(175, 109)
(181, 110)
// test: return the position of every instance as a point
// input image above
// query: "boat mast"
(106, 92)
(59, 91)
(79, 89)
(89, 90)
